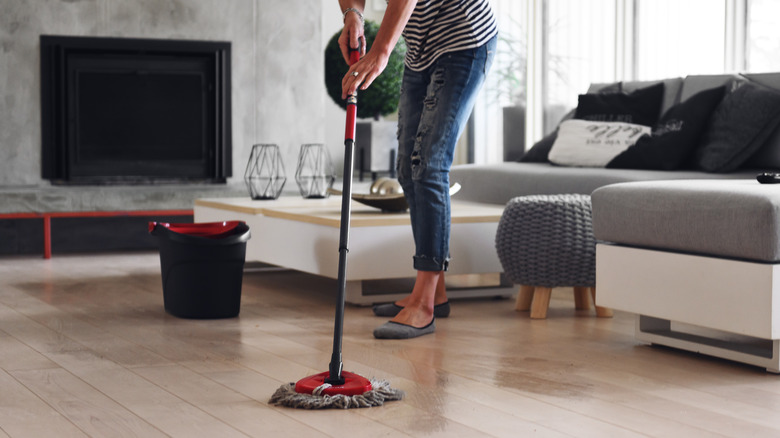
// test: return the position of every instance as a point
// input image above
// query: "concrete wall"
(278, 92)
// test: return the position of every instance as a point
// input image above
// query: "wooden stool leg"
(541, 302)
(581, 298)
(524, 297)
(601, 312)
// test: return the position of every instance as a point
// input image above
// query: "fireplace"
(135, 111)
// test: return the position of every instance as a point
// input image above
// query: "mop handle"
(336, 364)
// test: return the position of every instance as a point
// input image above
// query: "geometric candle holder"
(314, 173)
(264, 175)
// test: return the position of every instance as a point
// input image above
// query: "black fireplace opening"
(135, 111)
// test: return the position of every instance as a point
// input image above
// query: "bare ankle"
(441, 290)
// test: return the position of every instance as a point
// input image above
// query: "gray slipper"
(396, 330)
(439, 311)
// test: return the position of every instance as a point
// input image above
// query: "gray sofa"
(498, 183)
(696, 260)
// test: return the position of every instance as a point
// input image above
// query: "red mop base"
(353, 384)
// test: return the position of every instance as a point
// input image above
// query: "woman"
(450, 46)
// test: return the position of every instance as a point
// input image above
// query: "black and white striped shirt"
(440, 26)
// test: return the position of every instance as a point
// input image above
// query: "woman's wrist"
(355, 12)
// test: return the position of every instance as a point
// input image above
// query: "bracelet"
(359, 14)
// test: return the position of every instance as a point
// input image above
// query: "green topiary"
(381, 98)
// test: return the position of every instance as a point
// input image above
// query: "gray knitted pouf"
(546, 241)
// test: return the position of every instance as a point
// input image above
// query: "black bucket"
(202, 267)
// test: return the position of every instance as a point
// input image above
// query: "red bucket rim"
(201, 229)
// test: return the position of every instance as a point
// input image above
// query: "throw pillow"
(739, 126)
(640, 107)
(541, 149)
(586, 143)
(768, 156)
(675, 136)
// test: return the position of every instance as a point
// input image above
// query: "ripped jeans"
(434, 108)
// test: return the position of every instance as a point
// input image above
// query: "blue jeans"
(434, 108)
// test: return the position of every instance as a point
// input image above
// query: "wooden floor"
(86, 349)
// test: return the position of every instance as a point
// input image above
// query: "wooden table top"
(327, 211)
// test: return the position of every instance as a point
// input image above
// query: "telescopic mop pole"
(336, 363)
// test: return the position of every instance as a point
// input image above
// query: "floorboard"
(88, 350)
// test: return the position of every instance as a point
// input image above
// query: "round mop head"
(356, 392)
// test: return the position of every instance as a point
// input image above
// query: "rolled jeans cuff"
(422, 263)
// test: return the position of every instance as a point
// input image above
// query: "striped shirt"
(440, 26)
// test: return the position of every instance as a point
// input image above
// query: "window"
(763, 36)
(504, 93)
(580, 48)
(679, 38)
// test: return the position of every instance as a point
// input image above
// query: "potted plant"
(379, 100)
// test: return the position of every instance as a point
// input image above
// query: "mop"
(336, 388)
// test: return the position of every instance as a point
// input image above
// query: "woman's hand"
(352, 36)
(374, 62)
(363, 72)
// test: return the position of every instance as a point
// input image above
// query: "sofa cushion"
(640, 107)
(497, 183)
(770, 80)
(739, 126)
(587, 143)
(675, 137)
(604, 87)
(696, 83)
(728, 218)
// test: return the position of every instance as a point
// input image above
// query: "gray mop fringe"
(379, 394)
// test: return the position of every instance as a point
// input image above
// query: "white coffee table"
(303, 234)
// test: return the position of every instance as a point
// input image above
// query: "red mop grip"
(349, 132)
